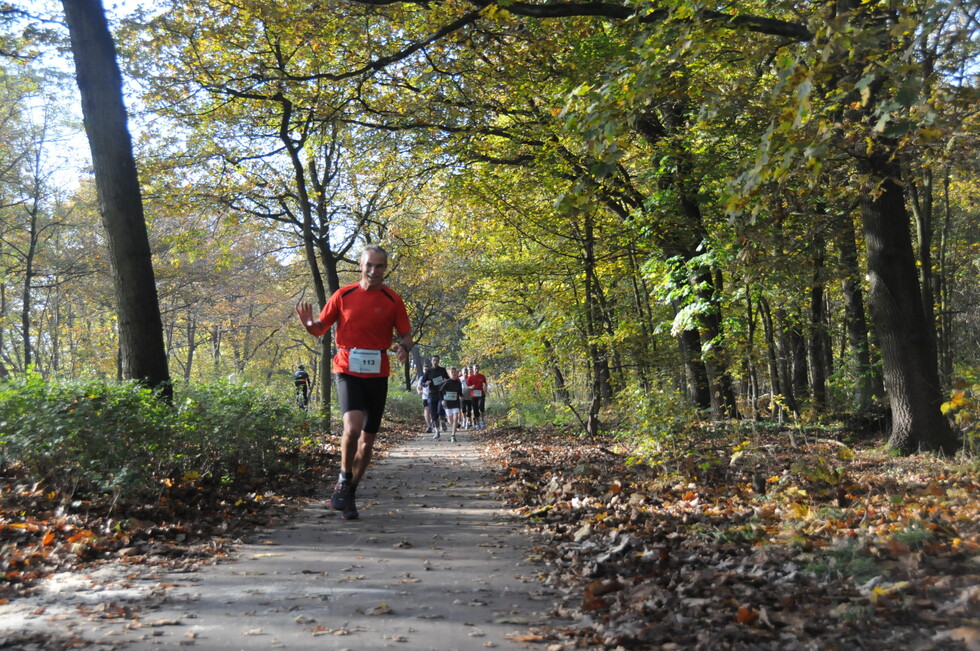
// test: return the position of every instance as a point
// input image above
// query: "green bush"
(657, 418)
(403, 406)
(97, 436)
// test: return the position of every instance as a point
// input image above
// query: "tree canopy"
(761, 210)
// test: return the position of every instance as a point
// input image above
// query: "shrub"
(403, 406)
(656, 419)
(97, 436)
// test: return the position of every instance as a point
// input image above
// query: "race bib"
(362, 360)
(450, 396)
(477, 393)
(437, 380)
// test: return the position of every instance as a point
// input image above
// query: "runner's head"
(373, 266)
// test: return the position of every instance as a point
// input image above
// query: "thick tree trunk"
(142, 352)
(906, 338)
(695, 372)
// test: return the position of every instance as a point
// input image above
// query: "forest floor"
(773, 539)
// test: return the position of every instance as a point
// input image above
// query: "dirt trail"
(433, 563)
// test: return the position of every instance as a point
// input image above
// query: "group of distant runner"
(452, 401)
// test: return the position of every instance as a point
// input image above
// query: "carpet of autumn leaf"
(777, 541)
(194, 519)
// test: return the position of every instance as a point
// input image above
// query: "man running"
(478, 383)
(436, 377)
(366, 313)
(422, 387)
(452, 397)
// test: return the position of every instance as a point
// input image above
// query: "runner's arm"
(404, 346)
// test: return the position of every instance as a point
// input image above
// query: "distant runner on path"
(366, 314)
(478, 384)
(436, 376)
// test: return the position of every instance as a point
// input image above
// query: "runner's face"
(373, 267)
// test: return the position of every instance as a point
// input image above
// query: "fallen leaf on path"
(380, 609)
(512, 620)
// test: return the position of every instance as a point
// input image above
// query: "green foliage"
(657, 418)
(404, 406)
(964, 408)
(532, 414)
(96, 436)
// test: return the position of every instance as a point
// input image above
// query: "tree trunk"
(775, 380)
(855, 321)
(142, 353)
(944, 344)
(818, 333)
(695, 372)
(786, 347)
(561, 389)
(191, 344)
(26, 294)
(799, 377)
(597, 355)
(907, 339)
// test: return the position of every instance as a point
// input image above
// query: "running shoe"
(338, 501)
(350, 509)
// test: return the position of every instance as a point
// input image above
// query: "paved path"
(433, 563)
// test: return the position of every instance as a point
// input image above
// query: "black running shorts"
(367, 394)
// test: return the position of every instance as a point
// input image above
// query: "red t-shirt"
(478, 383)
(365, 319)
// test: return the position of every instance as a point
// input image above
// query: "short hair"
(375, 248)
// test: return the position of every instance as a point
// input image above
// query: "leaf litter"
(767, 543)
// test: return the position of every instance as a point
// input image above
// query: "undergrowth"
(93, 436)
